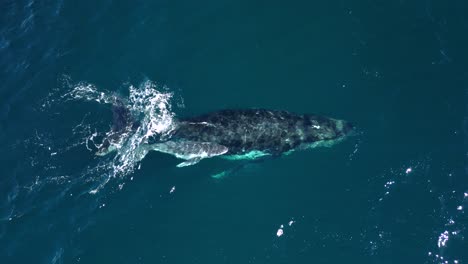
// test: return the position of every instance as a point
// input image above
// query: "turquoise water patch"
(219, 175)
(255, 154)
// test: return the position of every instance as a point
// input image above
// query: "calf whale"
(239, 134)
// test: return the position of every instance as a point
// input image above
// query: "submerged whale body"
(246, 133)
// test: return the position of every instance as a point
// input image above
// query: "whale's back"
(253, 129)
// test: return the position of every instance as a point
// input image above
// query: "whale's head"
(343, 128)
(323, 128)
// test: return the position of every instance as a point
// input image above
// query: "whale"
(237, 134)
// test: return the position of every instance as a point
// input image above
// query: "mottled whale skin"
(239, 133)
(269, 131)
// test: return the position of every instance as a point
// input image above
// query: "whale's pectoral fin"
(189, 150)
(189, 162)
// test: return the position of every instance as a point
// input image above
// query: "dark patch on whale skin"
(270, 131)
(122, 122)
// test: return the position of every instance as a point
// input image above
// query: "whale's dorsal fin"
(192, 151)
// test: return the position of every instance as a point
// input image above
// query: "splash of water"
(148, 105)
(88, 92)
(157, 121)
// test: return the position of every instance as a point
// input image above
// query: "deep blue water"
(395, 193)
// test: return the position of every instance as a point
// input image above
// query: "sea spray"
(149, 105)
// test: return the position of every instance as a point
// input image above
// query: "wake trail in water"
(148, 104)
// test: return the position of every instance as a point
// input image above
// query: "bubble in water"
(443, 238)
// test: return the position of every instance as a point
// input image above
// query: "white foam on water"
(149, 104)
(443, 238)
(449, 227)
(281, 229)
(155, 105)
(88, 92)
(279, 232)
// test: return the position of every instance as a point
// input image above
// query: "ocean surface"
(396, 192)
